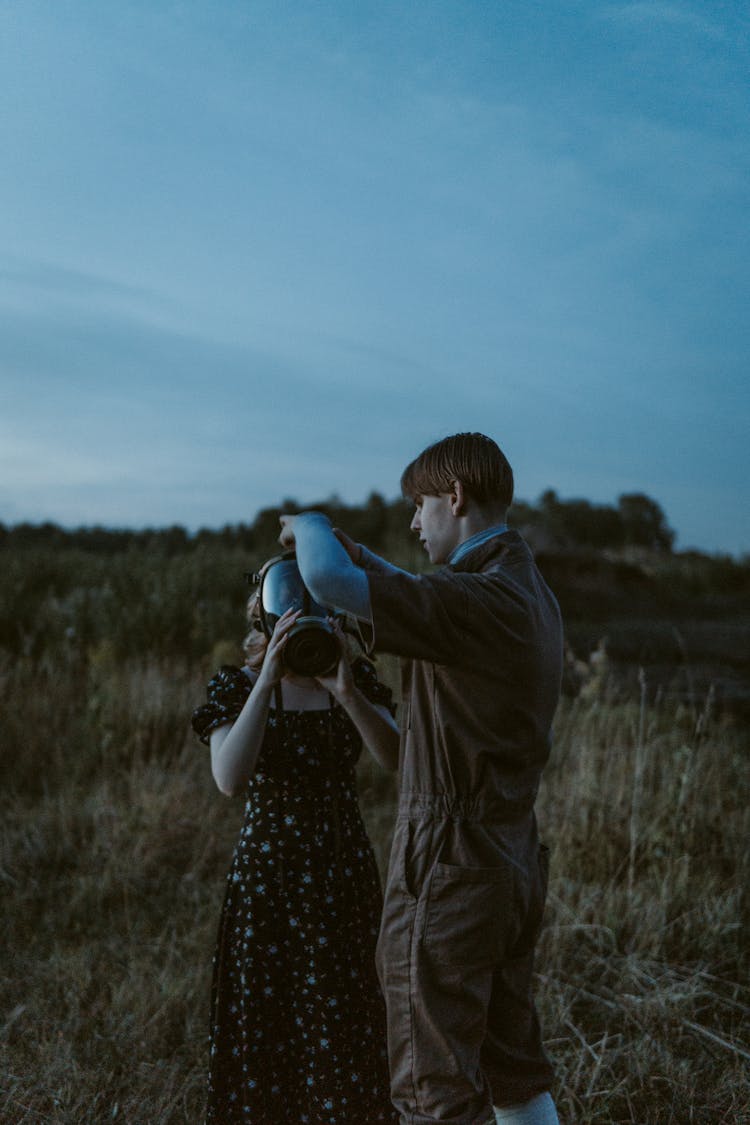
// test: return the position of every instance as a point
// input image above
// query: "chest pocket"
(472, 914)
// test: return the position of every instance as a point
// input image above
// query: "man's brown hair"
(474, 459)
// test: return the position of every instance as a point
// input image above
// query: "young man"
(482, 643)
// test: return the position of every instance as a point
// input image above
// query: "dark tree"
(644, 523)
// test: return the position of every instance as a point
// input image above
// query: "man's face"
(436, 525)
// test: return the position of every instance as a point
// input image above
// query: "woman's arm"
(375, 723)
(236, 746)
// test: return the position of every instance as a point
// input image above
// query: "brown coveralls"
(467, 876)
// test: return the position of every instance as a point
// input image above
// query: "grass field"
(115, 844)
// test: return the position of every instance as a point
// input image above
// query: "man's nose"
(415, 525)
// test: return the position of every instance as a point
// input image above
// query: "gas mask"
(312, 648)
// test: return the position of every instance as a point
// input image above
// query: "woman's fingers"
(273, 661)
(287, 619)
(287, 616)
(283, 625)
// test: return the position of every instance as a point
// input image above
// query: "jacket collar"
(492, 550)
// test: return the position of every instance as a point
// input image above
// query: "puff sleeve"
(226, 694)
(366, 679)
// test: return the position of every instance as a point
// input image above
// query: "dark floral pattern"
(297, 1018)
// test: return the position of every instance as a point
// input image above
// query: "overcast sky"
(251, 251)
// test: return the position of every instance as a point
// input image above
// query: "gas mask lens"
(312, 647)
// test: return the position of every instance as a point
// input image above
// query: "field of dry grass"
(114, 849)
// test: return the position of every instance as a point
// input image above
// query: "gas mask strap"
(278, 696)
(333, 765)
(355, 631)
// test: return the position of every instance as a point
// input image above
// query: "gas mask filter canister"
(312, 647)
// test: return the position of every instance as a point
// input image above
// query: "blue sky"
(251, 251)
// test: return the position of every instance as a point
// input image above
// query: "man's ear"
(458, 498)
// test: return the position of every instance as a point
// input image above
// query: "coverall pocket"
(470, 914)
(401, 852)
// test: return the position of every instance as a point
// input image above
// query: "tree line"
(635, 520)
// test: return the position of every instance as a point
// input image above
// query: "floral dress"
(297, 1016)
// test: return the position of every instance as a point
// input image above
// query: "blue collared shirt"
(475, 541)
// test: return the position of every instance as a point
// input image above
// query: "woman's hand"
(340, 682)
(273, 662)
(235, 747)
(373, 721)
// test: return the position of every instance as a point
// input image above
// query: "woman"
(297, 1018)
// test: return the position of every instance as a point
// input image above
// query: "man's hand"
(353, 550)
(286, 538)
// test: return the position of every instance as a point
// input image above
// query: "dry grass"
(115, 844)
(642, 966)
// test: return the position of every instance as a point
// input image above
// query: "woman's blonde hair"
(255, 643)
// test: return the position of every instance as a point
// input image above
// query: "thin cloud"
(60, 280)
(673, 15)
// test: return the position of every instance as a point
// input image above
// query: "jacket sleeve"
(424, 617)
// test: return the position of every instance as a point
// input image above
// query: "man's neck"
(477, 520)
(481, 535)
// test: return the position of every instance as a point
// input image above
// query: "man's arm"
(325, 565)
(411, 615)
